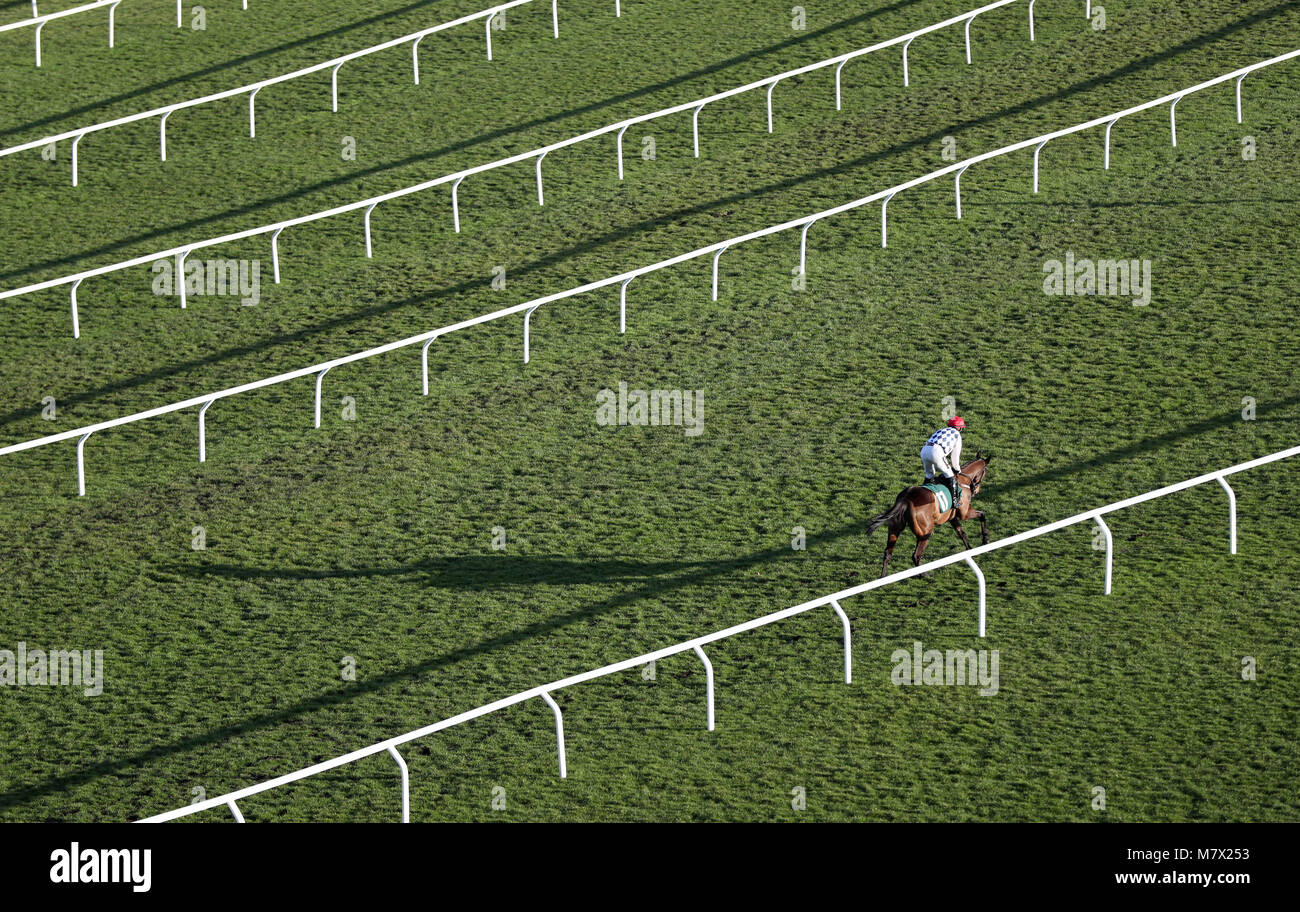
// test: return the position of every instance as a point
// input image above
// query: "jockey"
(940, 453)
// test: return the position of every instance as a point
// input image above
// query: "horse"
(918, 507)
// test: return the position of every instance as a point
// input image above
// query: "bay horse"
(917, 507)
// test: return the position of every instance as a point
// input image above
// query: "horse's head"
(975, 471)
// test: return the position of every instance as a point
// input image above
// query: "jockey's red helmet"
(956, 422)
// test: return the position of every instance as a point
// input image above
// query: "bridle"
(975, 479)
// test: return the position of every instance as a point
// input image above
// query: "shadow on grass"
(476, 572)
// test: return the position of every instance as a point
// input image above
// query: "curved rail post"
(334, 88)
(1038, 148)
(979, 576)
(1087, 9)
(1232, 515)
(528, 317)
(695, 128)
(541, 198)
(907, 81)
(369, 209)
(203, 430)
(234, 809)
(76, 319)
(716, 257)
(1110, 550)
(1031, 19)
(455, 203)
(957, 184)
(178, 13)
(252, 115)
(619, 142)
(112, 14)
(622, 305)
(406, 784)
(424, 364)
(275, 254)
(1173, 123)
(708, 683)
(770, 88)
(555, 18)
(319, 379)
(40, 25)
(618, 8)
(75, 142)
(968, 22)
(81, 464)
(1240, 79)
(884, 225)
(848, 651)
(162, 136)
(415, 58)
(180, 275)
(559, 733)
(1109, 124)
(489, 34)
(838, 69)
(803, 247)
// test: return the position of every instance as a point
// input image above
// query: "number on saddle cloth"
(941, 495)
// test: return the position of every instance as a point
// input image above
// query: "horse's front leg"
(961, 533)
(984, 524)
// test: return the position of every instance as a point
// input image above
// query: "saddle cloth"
(941, 494)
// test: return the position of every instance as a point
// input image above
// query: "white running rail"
(697, 645)
(38, 22)
(251, 90)
(455, 179)
(622, 280)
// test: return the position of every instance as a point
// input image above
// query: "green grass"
(372, 538)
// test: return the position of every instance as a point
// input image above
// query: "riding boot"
(955, 487)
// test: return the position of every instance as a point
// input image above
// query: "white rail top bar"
(46, 17)
(612, 280)
(667, 651)
(447, 178)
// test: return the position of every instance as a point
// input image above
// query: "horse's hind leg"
(921, 542)
(889, 551)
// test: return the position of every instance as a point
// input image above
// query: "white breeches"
(935, 462)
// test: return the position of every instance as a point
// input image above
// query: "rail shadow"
(458, 146)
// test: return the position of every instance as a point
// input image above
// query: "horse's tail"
(889, 516)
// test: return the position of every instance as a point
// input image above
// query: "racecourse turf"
(373, 538)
